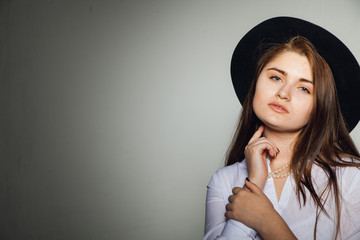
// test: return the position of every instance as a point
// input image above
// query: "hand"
(252, 207)
(255, 154)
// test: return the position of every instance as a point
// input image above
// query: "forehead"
(292, 63)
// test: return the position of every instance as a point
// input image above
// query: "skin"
(250, 206)
(283, 101)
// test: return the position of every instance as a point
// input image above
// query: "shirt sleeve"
(216, 225)
(350, 215)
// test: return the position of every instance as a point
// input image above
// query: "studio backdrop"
(115, 114)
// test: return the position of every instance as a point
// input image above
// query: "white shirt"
(301, 221)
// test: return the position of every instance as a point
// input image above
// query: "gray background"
(115, 114)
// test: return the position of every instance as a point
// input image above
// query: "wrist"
(259, 180)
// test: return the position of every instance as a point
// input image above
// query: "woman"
(292, 170)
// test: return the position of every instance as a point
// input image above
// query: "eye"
(304, 89)
(275, 78)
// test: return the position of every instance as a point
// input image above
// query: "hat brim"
(345, 68)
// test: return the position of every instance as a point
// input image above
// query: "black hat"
(345, 68)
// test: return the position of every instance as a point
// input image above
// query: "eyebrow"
(285, 74)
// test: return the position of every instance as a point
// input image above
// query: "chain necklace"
(274, 174)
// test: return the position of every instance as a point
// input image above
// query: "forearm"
(275, 228)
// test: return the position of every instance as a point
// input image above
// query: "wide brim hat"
(345, 68)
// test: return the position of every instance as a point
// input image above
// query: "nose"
(284, 92)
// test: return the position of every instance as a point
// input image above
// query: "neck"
(283, 140)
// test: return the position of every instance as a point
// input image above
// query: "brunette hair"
(324, 141)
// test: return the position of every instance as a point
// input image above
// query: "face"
(284, 93)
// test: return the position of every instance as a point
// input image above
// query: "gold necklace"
(274, 174)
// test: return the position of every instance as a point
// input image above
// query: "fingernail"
(247, 179)
(278, 149)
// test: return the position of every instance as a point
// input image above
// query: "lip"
(277, 107)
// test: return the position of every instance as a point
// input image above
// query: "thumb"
(252, 187)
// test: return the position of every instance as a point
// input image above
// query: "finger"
(228, 207)
(262, 145)
(235, 190)
(231, 198)
(228, 215)
(257, 134)
(253, 187)
(263, 140)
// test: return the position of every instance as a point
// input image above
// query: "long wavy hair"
(324, 141)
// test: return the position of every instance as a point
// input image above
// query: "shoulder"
(349, 186)
(343, 173)
(347, 177)
(232, 169)
(229, 176)
(349, 180)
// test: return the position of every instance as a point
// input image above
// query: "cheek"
(256, 100)
(262, 93)
(307, 110)
(258, 89)
(258, 103)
